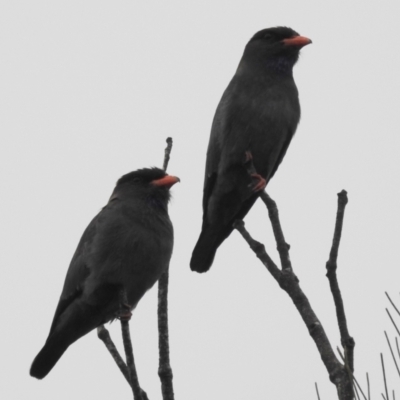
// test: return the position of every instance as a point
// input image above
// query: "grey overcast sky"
(91, 89)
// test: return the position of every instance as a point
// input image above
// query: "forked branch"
(331, 266)
(340, 375)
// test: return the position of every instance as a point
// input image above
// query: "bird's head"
(153, 183)
(277, 47)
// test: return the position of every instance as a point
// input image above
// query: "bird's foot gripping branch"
(259, 183)
(124, 313)
(128, 369)
(340, 375)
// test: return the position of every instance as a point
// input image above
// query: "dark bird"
(258, 116)
(127, 246)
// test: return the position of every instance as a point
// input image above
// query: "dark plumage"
(126, 246)
(259, 112)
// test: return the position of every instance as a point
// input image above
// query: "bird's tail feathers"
(48, 356)
(76, 321)
(205, 250)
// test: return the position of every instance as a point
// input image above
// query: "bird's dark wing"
(213, 157)
(214, 150)
(208, 188)
(78, 270)
(282, 153)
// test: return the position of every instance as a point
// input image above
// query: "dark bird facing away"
(258, 116)
(127, 246)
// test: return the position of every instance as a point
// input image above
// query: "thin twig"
(126, 337)
(394, 323)
(331, 266)
(384, 377)
(105, 337)
(282, 246)
(259, 250)
(391, 351)
(369, 392)
(316, 388)
(356, 384)
(391, 301)
(128, 369)
(398, 349)
(289, 282)
(138, 393)
(273, 212)
(167, 153)
(356, 391)
(164, 368)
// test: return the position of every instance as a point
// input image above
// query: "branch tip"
(167, 153)
(343, 196)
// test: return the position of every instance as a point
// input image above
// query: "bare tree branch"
(167, 153)
(164, 369)
(259, 250)
(331, 266)
(104, 335)
(316, 388)
(356, 392)
(391, 301)
(282, 246)
(138, 393)
(288, 281)
(356, 384)
(384, 378)
(290, 284)
(128, 369)
(394, 323)
(391, 351)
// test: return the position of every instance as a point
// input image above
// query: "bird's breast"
(261, 118)
(132, 252)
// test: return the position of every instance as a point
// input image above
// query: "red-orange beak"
(298, 41)
(167, 181)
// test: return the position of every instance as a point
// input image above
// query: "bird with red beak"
(125, 248)
(256, 117)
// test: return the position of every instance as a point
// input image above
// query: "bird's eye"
(136, 180)
(267, 36)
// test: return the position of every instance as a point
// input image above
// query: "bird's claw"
(260, 183)
(124, 313)
(124, 316)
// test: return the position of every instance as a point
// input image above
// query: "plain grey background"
(91, 89)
